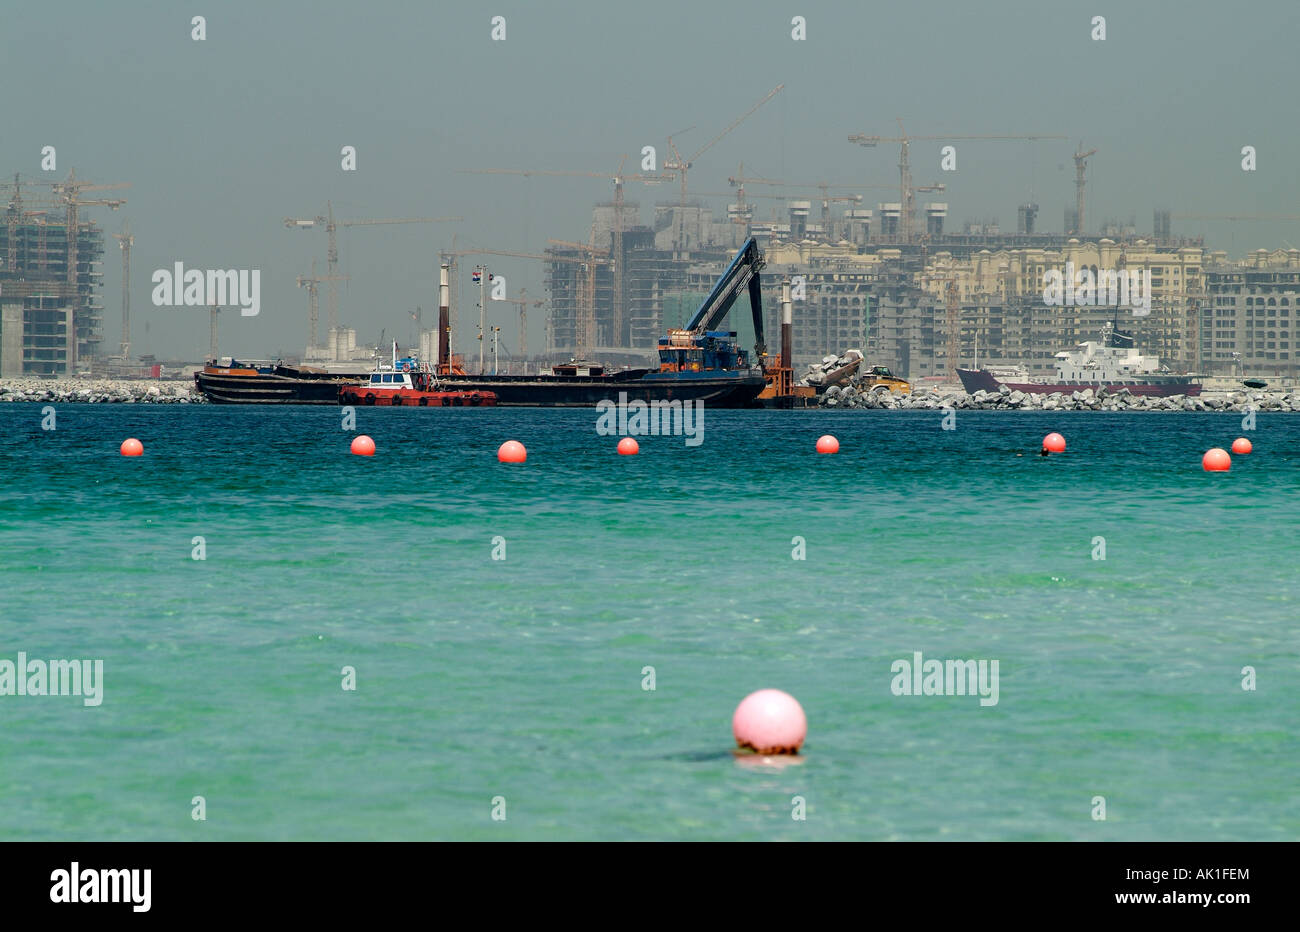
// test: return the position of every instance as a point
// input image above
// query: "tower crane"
(595, 258)
(312, 284)
(332, 255)
(619, 179)
(906, 190)
(953, 307)
(676, 163)
(586, 329)
(740, 180)
(522, 301)
(68, 195)
(125, 240)
(1080, 166)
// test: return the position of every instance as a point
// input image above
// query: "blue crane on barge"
(699, 346)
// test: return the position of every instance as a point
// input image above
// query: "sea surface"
(518, 685)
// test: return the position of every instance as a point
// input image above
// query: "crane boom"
(742, 273)
(682, 166)
(906, 190)
(734, 123)
(698, 347)
(363, 223)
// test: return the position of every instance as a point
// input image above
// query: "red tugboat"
(411, 383)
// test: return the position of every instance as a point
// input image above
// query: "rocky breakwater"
(99, 391)
(1120, 399)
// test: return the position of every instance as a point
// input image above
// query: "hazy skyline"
(222, 139)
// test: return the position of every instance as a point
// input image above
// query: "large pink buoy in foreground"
(1216, 460)
(1054, 443)
(363, 445)
(770, 722)
(132, 447)
(1242, 445)
(628, 447)
(827, 444)
(512, 451)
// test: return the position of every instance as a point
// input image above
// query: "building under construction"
(859, 285)
(642, 279)
(51, 316)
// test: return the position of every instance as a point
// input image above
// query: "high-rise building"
(46, 322)
(1250, 314)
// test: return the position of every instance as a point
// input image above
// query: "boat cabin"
(692, 351)
(391, 380)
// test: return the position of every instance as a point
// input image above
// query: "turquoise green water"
(522, 678)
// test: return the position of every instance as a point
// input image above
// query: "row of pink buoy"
(512, 451)
(1216, 460)
(1053, 443)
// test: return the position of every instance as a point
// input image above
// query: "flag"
(477, 276)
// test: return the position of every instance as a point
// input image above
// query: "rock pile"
(99, 391)
(833, 370)
(1120, 399)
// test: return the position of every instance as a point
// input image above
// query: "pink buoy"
(770, 722)
(1216, 460)
(1054, 443)
(363, 445)
(132, 447)
(827, 444)
(512, 451)
(628, 447)
(1242, 445)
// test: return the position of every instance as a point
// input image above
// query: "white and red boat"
(1113, 363)
(409, 382)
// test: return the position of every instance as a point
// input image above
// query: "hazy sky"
(222, 139)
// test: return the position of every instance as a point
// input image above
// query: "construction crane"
(954, 334)
(953, 308)
(588, 283)
(522, 301)
(740, 180)
(906, 191)
(332, 254)
(213, 311)
(586, 329)
(619, 179)
(1080, 166)
(676, 163)
(13, 213)
(68, 195)
(743, 210)
(125, 241)
(312, 284)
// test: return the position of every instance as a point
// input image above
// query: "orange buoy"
(827, 444)
(512, 451)
(363, 445)
(628, 447)
(1054, 443)
(1216, 460)
(132, 447)
(1242, 445)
